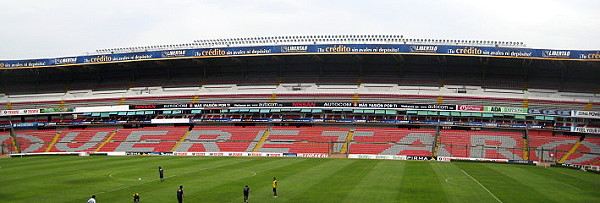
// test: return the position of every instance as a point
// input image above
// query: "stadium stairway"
(195, 99)
(262, 140)
(571, 151)
(54, 141)
(14, 142)
(347, 143)
(181, 140)
(525, 149)
(437, 143)
(107, 140)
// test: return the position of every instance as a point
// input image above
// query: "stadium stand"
(545, 145)
(539, 83)
(588, 153)
(33, 141)
(391, 141)
(77, 140)
(311, 134)
(481, 144)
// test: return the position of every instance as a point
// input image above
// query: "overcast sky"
(54, 28)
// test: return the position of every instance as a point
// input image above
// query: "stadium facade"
(375, 96)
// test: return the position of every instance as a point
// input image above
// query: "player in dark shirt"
(180, 194)
(246, 193)
(136, 198)
(160, 172)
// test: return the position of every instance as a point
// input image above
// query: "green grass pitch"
(221, 179)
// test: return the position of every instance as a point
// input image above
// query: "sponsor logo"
(294, 49)
(2, 65)
(304, 104)
(268, 104)
(556, 54)
(61, 61)
(377, 105)
(21, 111)
(422, 158)
(174, 53)
(98, 59)
(550, 112)
(505, 109)
(470, 108)
(592, 114)
(588, 56)
(144, 107)
(311, 155)
(469, 50)
(337, 104)
(210, 105)
(424, 49)
(588, 130)
(336, 48)
(212, 52)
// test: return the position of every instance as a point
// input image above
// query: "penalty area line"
(481, 185)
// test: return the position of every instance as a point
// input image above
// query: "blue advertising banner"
(314, 49)
(550, 112)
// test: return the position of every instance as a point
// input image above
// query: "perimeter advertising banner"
(550, 112)
(296, 104)
(586, 130)
(501, 109)
(586, 114)
(19, 111)
(302, 49)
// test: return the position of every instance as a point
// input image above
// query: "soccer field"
(221, 179)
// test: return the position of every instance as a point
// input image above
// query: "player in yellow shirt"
(274, 187)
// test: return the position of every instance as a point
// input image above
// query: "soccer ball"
(140, 179)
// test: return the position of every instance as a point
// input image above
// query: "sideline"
(481, 186)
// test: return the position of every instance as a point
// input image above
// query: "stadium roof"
(299, 45)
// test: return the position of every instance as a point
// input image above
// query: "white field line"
(448, 181)
(482, 186)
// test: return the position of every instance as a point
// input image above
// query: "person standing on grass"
(92, 200)
(136, 198)
(274, 187)
(180, 194)
(161, 174)
(246, 193)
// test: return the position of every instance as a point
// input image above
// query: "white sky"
(54, 28)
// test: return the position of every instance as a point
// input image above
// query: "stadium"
(359, 118)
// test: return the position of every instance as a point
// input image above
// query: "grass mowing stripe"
(337, 185)
(482, 186)
(547, 185)
(126, 178)
(260, 183)
(383, 172)
(420, 184)
(293, 186)
(576, 178)
(459, 187)
(576, 175)
(221, 179)
(502, 185)
(198, 183)
(80, 165)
